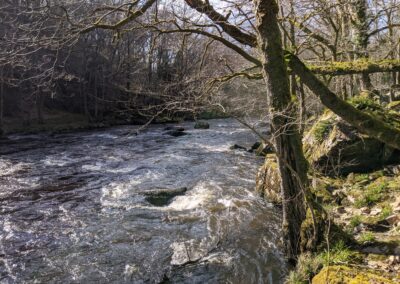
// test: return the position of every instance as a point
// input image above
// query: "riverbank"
(60, 121)
(364, 230)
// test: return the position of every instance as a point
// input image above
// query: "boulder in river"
(176, 133)
(175, 128)
(335, 147)
(268, 180)
(201, 124)
(237, 147)
(163, 197)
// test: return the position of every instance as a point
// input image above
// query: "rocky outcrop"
(335, 147)
(268, 180)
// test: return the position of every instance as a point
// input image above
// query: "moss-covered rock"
(335, 147)
(268, 180)
(343, 274)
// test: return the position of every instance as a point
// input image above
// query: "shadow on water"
(109, 207)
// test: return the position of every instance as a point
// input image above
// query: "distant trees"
(53, 59)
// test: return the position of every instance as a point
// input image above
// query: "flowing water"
(73, 209)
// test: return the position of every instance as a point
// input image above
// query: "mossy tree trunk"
(287, 141)
(366, 123)
(362, 38)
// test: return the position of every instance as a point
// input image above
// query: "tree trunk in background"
(362, 38)
(287, 141)
(39, 106)
(1, 101)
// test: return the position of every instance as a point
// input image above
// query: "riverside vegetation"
(356, 179)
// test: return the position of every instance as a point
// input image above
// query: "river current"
(73, 208)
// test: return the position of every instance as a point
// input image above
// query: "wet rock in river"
(163, 197)
(237, 147)
(175, 128)
(254, 147)
(176, 133)
(201, 125)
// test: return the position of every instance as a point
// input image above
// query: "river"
(74, 208)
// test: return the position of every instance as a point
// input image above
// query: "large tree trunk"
(287, 142)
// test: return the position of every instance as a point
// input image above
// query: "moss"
(365, 102)
(321, 190)
(394, 105)
(361, 177)
(357, 65)
(317, 219)
(344, 274)
(322, 129)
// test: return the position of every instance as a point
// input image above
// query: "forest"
(200, 141)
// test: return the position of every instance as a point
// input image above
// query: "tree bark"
(287, 142)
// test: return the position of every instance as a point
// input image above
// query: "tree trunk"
(1, 101)
(362, 38)
(39, 106)
(287, 142)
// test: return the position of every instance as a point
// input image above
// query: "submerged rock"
(268, 180)
(163, 197)
(335, 147)
(200, 124)
(176, 133)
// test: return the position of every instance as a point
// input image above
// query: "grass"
(310, 264)
(355, 221)
(387, 210)
(307, 267)
(367, 237)
(322, 130)
(339, 254)
(371, 195)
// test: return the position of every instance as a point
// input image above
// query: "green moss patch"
(353, 275)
